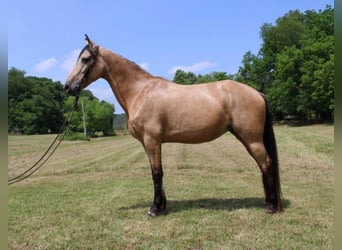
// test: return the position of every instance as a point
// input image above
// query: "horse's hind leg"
(256, 148)
(259, 153)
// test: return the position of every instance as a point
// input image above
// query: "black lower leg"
(270, 194)
(266, 188)
(159, 202)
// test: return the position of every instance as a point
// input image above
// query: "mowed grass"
(96, 194)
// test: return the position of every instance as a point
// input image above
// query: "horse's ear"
(89, 42)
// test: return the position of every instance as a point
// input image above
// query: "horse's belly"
(191, 138)
(195, 131)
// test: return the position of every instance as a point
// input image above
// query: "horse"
(159, 111)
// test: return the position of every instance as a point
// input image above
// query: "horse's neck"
(125, 78)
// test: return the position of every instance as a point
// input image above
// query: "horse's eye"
(85, 60)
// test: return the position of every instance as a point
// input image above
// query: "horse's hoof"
(270, 208)
(151, 214)
(156, 211)
(269, 211)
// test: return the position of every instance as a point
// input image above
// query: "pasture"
(96, 194)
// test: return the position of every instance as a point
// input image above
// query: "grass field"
(96, 194)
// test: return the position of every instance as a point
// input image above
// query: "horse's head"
(85, 70)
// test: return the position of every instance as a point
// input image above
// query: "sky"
(201, 36)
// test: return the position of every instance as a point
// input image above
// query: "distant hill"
(119, 122)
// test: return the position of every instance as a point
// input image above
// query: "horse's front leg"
(153, 150)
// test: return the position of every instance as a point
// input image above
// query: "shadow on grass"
(174, 206)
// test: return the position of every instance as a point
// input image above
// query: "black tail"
(271, 148)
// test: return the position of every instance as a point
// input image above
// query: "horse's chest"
(135, 127)
(140, 127)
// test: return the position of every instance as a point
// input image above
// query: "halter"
(93, 52)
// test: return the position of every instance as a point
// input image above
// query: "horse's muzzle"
(72, 89)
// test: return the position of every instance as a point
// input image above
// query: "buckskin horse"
(159, 111)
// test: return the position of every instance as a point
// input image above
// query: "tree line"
(37, 105)
(294, 66)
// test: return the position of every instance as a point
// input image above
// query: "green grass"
(96, 194)
(75, 137)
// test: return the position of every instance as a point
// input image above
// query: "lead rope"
(51, 149)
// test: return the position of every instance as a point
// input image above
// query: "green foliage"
(287, 32)
(35, 105)
(214, 76)
(99, 116)
(252, 71)
(188, 78)
(38, 105)
(295, 65)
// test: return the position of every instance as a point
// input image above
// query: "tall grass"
(96, 194)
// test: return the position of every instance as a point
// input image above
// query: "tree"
(295, 65)
(286, 83)
(317, 80)
(309, 81)
(38, 105)
(99, 116)
(213, 77)
(16, 85)
(186, 78)
(35, 104)
(249, 72)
